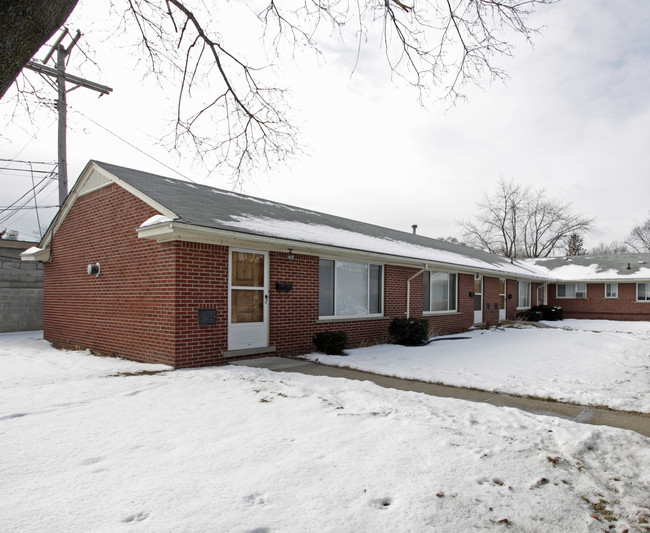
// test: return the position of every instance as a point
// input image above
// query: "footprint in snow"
(137, 517)
(255, 499)
(381, 503)
(14, 415)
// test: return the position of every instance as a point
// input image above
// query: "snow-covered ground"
(89, 444)
(590, 362)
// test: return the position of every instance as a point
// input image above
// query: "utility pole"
(61, 77)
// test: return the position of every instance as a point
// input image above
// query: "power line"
(132, 145)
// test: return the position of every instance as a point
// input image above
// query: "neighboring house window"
(349, 289)
(611, 290)
(643, 292)
(523, 294)
(571, 290)
(439, 292)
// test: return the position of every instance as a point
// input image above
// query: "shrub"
(331, 342)
(530, 315)
(550, 312)
(409, 331)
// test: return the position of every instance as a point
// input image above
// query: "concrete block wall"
(21, 289)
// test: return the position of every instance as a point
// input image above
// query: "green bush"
(550, 312)
(409, 331)
(331, 342)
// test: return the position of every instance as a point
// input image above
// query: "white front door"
(248, 295)
(502, 300)
(478, 299)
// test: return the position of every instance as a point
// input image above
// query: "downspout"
(408, 290)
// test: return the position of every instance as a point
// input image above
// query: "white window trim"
(448, 311)
(647, 300)
(327, 318)
(611, 297)
(530, 287)
(576, 291)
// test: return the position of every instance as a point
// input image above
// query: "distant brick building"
(611, 287)
(21, 289)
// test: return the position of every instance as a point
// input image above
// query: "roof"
(614, 267)
(187, 205)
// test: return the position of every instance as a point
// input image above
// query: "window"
(523, 294)
(439, 292)
(611, 290)
(349, 289)
(643, 292)
(571, 290)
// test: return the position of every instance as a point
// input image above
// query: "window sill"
(440, 313)
(325, 320)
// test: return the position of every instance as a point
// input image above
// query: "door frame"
(503, 297)
(478, 313)
(237, 332)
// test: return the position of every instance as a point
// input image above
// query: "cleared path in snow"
(578, 413)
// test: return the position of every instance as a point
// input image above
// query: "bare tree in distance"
(639, 239)
(612, 248)
(515, 221)
(244, 123)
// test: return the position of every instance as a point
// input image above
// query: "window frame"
(575, 291)
(447, 311)
(528, 295)
(614, 293)
(369, 290)
(646, 298)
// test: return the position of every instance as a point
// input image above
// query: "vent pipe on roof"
(415, 227)
(628, 267)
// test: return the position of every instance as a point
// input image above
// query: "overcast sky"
(574, 119)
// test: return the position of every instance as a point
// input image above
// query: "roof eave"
(180, 231)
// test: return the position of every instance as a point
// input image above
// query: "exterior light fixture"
(94, 269)
(290, 255)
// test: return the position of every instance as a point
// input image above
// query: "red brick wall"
(596, 306)
(128, 309)
(144, 305)
(201, 283)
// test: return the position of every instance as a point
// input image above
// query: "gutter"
(408, 290)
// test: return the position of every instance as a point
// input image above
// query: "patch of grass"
(140, 373)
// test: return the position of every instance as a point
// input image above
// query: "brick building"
(160, 270)
(610, 287)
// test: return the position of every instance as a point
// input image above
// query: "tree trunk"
(25, 26)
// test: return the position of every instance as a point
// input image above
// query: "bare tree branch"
(243, 123)
(517, 222)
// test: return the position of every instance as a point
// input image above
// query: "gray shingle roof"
(209, 207)
(586, 267)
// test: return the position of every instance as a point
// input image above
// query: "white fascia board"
(91, 167)
(173, 231)
(600, 280)
(36, 254)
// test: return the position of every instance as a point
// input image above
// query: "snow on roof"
(156, 219)
(216, 209)
(595, 268)
(342, 238)
(32, 250)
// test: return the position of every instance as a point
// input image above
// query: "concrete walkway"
(578, 413)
